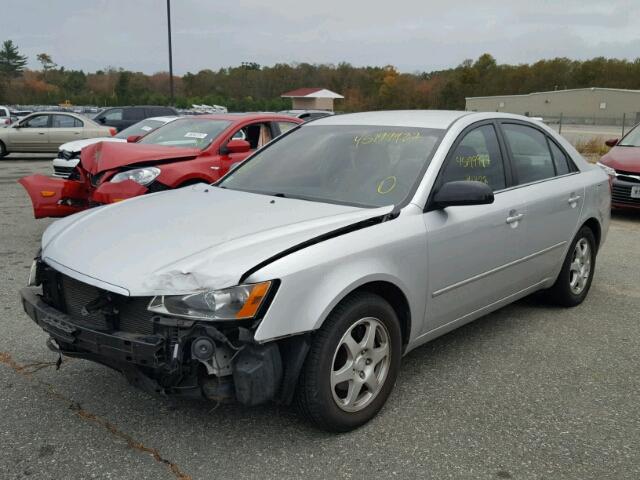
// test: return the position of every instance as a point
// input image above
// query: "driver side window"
(477, 157)
(257, 134)
(39, 121)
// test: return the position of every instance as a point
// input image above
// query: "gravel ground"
(529, 392)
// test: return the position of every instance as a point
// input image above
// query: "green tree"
(46, 62)
(11, 62)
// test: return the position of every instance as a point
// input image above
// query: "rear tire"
(352, 365)
(574, 281)
(3, 150)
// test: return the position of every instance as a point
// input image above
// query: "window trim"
(573, 169)
(75, 119)
(34, 115)
(506, 164)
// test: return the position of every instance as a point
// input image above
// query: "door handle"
(574, 198)
(514, 218)
(41, 133)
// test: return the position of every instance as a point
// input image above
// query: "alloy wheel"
(580, 267)
(360, 364)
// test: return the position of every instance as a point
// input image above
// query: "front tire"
(3, 150)
(352, 365)
(574, 281)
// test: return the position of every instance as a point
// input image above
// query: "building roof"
(589, 89)
(311, 93)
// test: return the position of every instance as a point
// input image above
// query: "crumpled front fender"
(54, 197)
(110, 192)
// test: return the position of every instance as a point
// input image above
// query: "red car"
(186, 151)
(622, 163)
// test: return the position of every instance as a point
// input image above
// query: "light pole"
(170, 55)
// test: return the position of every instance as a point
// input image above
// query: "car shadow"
(625, 214)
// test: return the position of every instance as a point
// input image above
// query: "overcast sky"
(410, 34)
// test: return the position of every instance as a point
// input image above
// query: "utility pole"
(171, 100)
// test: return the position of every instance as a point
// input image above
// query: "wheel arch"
(396, 298)
(594, 225)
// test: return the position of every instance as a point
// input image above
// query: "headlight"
(235, 303)
(143, 176)
(607, 170)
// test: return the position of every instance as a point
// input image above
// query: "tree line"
(252, 87)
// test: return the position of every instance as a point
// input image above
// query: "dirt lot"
(529, 392)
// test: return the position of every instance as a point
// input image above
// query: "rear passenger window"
(477, 157)
(66, 121)
(529, 152)
(560, 159)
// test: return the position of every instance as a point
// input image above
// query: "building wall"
(301, 103)
(582, 103)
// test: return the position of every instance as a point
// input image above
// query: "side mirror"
(454, 194)
(236, 146)
(612, 142)
(133, 138)
(101, 120)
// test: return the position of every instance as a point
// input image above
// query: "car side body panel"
(393, 251)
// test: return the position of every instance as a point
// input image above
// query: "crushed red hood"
(103, 156)
(626, 159)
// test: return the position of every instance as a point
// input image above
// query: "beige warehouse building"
(584, 105)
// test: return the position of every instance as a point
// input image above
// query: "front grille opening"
(119, 313)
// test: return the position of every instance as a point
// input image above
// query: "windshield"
(347, 164)
(187, 132)
(631, 139)
(141, 128)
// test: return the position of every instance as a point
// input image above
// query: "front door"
(32, 134)
(471, 249)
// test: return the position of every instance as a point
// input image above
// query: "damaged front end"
(162, 354)
(56, 197)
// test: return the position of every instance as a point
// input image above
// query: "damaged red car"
(186, 151)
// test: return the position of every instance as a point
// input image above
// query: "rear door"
(554, 190)
(471, 249)
(32, 134)
(64, 128)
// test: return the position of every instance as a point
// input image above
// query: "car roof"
(440, 119)
(238, 117)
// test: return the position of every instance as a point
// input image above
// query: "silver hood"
(187, 239)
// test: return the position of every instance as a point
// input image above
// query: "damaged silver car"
(307, 272)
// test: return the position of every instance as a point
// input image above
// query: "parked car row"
(181, 152)
(305, 259)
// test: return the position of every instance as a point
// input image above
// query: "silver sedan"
(311, 269)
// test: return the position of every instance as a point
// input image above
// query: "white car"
(69, 153)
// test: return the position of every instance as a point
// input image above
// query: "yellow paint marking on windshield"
(381, 186)
(386, 137)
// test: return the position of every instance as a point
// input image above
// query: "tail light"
(113, 131)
